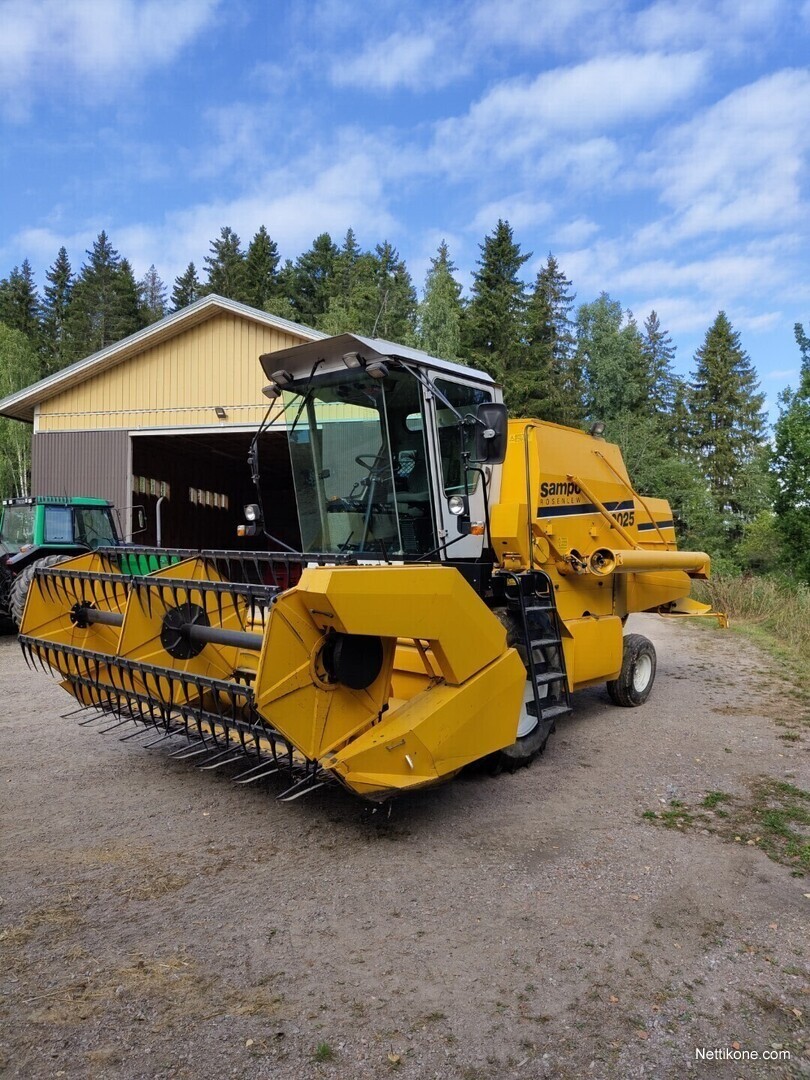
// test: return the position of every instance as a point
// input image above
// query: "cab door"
(459, 495)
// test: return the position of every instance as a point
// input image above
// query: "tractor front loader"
(459, 576)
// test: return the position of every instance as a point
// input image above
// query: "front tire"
(635, 681)
(22, 583)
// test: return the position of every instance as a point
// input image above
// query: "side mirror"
(490, 433)
(139, 525)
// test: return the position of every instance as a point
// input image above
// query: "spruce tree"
(439, 313)
(493, 324)
(187, 288)
(352, 290)
(546, 381)
(261, 270)
(791, 465)
(20, 304)
(609, 353)
(727, 425)
(395, 297)
(129, 317)
(225, 266)
(658, 354)
(311, 280)
(56, 346)
(152, 297)
(104, 303)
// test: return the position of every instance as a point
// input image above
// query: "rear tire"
(637, 676)
(22, 583)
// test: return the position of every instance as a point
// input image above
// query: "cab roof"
(301, 358)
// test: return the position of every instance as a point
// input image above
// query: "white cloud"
(521, 211)
(740, 163)
(723, 24)
(89, 47)
(518, 116)
(552, 24)
(347, 192)
(415, 61)
(574, 233)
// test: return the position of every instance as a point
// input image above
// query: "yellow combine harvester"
(460, 575)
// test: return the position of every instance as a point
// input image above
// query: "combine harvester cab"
(459, 576)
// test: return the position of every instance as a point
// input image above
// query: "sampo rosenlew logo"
(564, 487)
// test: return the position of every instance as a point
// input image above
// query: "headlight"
(456, 504)
(252, 512)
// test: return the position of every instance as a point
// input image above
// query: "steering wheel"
(378, 467)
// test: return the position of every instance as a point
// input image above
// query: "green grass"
(324, 1052)
(774, 613)
(773, 816)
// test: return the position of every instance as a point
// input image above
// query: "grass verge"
(775, 614)
(773, 816)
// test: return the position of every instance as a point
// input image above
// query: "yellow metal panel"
(175, 383)
(593, 650)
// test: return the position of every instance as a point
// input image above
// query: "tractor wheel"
(22, 583)
(532, 742)
(637, 676)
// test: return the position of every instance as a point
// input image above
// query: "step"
(538, 643)
(554, 711)
(548, 677)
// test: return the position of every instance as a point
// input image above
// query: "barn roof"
(20, 405)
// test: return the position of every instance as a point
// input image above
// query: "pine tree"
(658, 354)
(395, 297)
(609, 353)
(19, 302)
(261, 270)
(129, 317)
(226, 267)
(56, 346)
(311, 280)
(187, 288)
(726, 419)
(546, 382)
(439, 313)
(791, 465)
(352, 291)
(104, 303)
(493, 325)
(152, 297)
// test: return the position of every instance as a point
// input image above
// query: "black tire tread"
(621, 690)
(22, 583)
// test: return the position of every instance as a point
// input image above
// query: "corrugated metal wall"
(177, 383)
(94, 463)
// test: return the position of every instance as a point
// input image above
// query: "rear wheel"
(637, 676)
(22, 583)
(532, 734)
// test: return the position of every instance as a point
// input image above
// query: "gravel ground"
(160, 922)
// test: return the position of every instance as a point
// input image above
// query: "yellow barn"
(163, 419)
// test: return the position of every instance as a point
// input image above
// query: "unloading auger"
(459, 577)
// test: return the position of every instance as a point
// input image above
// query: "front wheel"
(22, 583)
(637, 676)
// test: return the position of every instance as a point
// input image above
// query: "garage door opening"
(205, 481)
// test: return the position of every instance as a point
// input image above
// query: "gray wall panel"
(94, 463)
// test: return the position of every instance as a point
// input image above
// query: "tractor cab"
(392, 450)
(61, 524)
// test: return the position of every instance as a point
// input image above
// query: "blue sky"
(660, 150)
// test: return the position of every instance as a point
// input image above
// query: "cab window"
(454, 437)
(58, 525)
(94, 527)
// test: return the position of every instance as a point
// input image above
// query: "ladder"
(530, 597)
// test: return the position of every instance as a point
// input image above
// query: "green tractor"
(45, 530)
